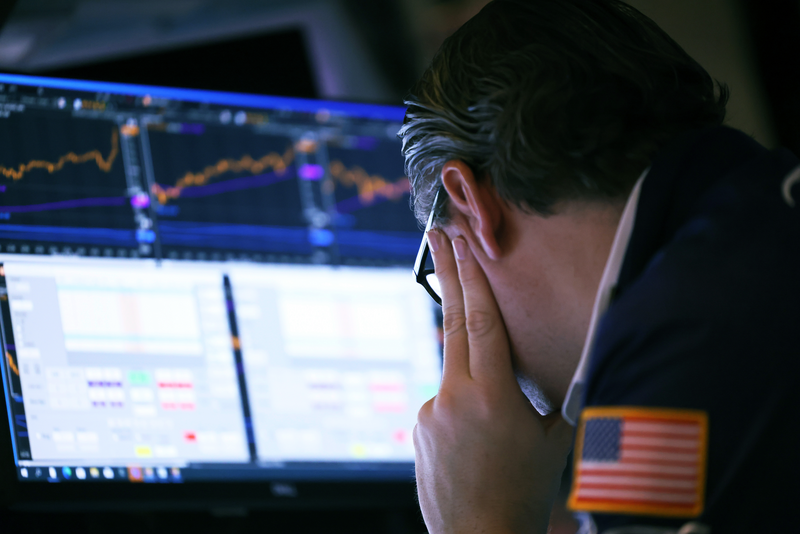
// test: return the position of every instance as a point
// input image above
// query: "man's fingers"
(456, 347)
(488, 341)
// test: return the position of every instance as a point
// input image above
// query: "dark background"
(362, 50)
(370, 51)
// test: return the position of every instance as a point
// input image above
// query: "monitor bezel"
(248, 100)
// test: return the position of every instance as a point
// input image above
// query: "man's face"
(545, 281)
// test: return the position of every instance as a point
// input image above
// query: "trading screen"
(207, 286)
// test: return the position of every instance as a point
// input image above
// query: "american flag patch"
(640, 461)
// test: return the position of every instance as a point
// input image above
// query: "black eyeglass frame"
(420, 272)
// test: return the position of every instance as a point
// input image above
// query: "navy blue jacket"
(706, 315)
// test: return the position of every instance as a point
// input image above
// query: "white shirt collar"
(572, 403)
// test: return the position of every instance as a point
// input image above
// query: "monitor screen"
(203, 286)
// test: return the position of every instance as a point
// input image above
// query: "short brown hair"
(553, 100)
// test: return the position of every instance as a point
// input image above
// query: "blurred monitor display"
(203, 286)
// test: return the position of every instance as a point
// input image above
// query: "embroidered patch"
(632, 460)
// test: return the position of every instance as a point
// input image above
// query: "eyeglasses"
(423, 267)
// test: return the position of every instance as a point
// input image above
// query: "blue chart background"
(383, 228)
(235, 210)
(78, 204)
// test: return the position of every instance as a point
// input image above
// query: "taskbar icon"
(64, 473)
(154, 474)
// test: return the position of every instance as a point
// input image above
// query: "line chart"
(279, 163)
(369, 186)
(373, 220)
(222, 190)
(236, 184)
(196, 184)
(387, 192)
(65, 184)
(103, 163)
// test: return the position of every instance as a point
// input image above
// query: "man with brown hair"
(609, 256)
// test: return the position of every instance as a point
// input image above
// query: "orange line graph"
(246, 163)
(369, 186)
(104, 164)
(11, 363)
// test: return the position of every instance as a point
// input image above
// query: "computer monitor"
(204, 293)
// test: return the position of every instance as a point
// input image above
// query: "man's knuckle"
(480, 323)
(468, 277)
(453, 320)
(425, 412)
(444, 400)
(443, 272)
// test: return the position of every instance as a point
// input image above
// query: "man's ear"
(478, 203)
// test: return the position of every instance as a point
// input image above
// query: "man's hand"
(486, 461)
